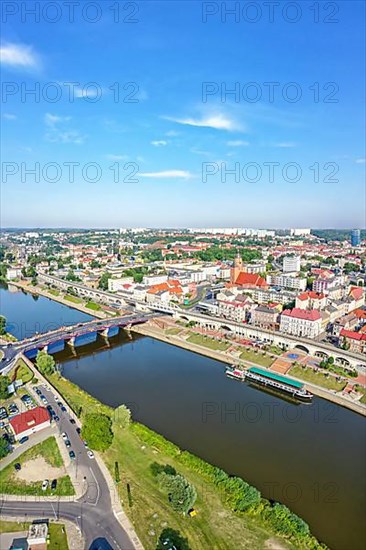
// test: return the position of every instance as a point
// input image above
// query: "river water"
(310, 457)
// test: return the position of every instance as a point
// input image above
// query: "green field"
(93, 306)
(318, 378)
(173, 331)
(23, 372)
(73, 299)
(208, 342)
(256, 357)
(53, 291)
(49, 450)
(56, 532)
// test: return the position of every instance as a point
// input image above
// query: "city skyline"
(161, 136)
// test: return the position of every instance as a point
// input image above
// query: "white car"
(90, 454)
(45, 484)
(64, 436)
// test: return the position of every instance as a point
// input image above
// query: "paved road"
(93, 511)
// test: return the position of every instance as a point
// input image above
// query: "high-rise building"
(355, 237)
(291, 264)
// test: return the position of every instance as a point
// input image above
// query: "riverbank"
(224, 356)
(220, 521)
(37, 291)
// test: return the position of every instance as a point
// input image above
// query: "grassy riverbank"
(219, 522)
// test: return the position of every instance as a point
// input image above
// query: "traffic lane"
(86, 470)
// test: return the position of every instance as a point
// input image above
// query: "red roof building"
(29, 422)
(250, 280)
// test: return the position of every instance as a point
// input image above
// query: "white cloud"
(360, 161)
(117, 157)
(217, 121)
(89, 92)
(159, 143)
(172, 133)
(167, 174)
(238, 143)
(285, 144)
(58, 131)
(18, 55)
(9, 116)
(200, 152)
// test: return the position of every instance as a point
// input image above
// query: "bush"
(181, 494)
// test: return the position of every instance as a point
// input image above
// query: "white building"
(114, 285)
(303, 323)
(291, 264)
(13, 273)
(283, 281)
(150, 280)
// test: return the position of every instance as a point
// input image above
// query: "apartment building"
(303, 323)
(285, 281)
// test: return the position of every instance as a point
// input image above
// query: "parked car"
(45, 484)
(85, 444)
(72, 455)
(17, 466)
(90, 454)
(53, 484)
(78, 430)
(23, 439)
(67, 443)
(56, 418)
(63, 408)
(64, 435)
(72, 421)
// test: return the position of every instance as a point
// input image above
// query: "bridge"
(74, 335)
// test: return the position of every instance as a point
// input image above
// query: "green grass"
(215, 526)
(173, 331)
(49, 450)
(53, 291)
(256, 357)
(208, 342)
(73, 299)
(318, 378)
(57, 536)
(23, 372)
(56, 531)
(93, 306)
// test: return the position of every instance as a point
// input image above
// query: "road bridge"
(75, 335)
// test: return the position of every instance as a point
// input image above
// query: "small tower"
(237, 269)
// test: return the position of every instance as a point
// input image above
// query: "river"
(310, 457)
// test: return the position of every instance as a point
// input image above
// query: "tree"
(45, 363)
(103, 281)
(4, 383)
(4, 447)
(97, 431)
(2, 325)
(169, 538)
(181, 494)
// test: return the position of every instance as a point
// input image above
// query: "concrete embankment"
(223, 356)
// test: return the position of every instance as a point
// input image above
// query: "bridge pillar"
(71, 342)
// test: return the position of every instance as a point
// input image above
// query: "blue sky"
(171, 136)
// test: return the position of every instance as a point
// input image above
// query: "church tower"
(237, 269)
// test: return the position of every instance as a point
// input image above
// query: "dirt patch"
(274, 544)
(37, 469)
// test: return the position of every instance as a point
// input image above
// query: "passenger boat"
(273, 380)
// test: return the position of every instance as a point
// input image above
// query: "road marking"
(98, 489)
(54, 511)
